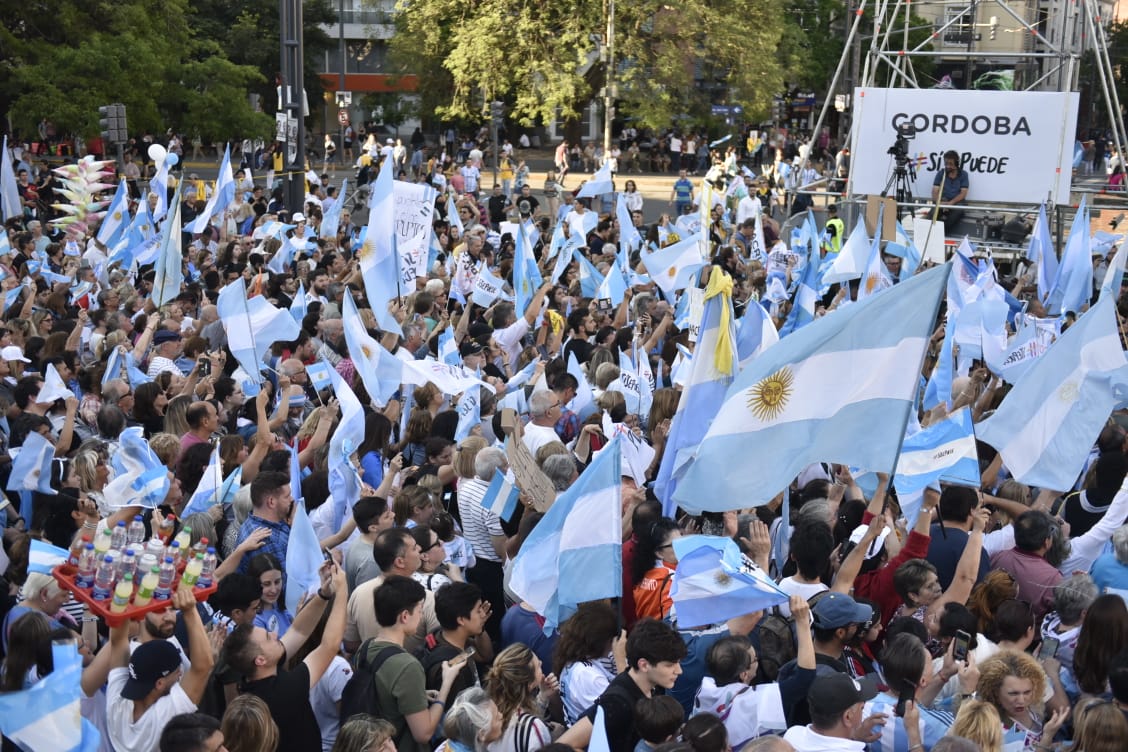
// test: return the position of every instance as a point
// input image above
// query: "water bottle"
(166, 577)
(148, 587)
(136, 534)
(201, 547)
(156, 549)
(104, 579)
(145, 563)
(173, 552)
(102, 543)
(116, 555)
(129, 563)
(122, 593)
(77, 547)
(192, 571)
(85, 577)
(207, 574)
(184, 538)
(118, 537)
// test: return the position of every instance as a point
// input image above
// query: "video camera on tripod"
(900, 149)
(904, 169)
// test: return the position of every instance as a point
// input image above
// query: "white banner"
(1016, 146)
(415, 207)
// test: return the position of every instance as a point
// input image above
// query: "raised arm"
(195, 680)
(308, 616)
(318, 661)
(536, 303)
(852, 564)
(967, 568)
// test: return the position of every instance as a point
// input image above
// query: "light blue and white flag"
(711, 372)
(449, 379)
(1041, 252)
(452, 215)
(806, 298)
(487, 288)
(170, 260)
(469, 413)
(448, 348)
(755, 332)
(904, 247)
(133, 373)
(673, 267)
(344, 480)
(522, 377)
(599, 741)
(368, 355)
(943, 451)
(501, 497)
(48, 715)
(140, 479)
(159, 186)
(53, 387)
(319, 375)
(1046, 425)
(31, 468)
(221, 197)
(213, 489)
(10, 202)
(613, 287)
(790, 408)
(583, 404)
(574, 554)
(876, 277)
(962, 289)
(379, 255)
(707, 589)
(629, 237)
(44, 557)
(598, 184)
(116, 220)
(850, 263)
(590, 278)
(1074, 284)
(303, 558)
(1110, 285)
(331, 219)
(298, 306)
(252, 325)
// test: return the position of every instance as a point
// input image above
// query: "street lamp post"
(341, 79)
(292, 101)
(609, 81)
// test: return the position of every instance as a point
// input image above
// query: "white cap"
(12, 352)
(878, 542)
(298, 217)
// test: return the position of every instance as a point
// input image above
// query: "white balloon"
(157, 153)
(172, 159)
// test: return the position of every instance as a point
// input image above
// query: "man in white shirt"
(147, 689)
(544, 409)
(510, 330)
(470, 178)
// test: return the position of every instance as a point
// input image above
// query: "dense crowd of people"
(994, 620)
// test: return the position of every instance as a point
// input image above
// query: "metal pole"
(972, 26)
(292, 100)
(341, 81)
(609, 81)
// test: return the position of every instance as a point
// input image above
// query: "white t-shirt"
(325, 695)
(510, 337)
(581, 684)
(537, 436)
(791, 586)
(143, 735)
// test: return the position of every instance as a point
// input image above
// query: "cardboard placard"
(529, 477)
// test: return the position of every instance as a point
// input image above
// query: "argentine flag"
(707, 589)
(469, 413)
(48, 716)
(31, 468)
(501, 497)
(672, 268)
(943, 451)
(213, 489)
(44, 557)
(838, 390)
(141, 479)
(1050, 419)
(574, 554)
(599, 183)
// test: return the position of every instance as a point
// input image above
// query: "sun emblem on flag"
(672, 272)
(117, 215)
(366, 250)
(1069, 392)
(367, 351)
(768, 397)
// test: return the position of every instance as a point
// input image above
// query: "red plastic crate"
(65, 575)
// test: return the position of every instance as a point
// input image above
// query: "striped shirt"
(933, 725)
(478, 523)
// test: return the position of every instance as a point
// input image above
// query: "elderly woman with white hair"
(472, 723)
(40, 592)
(1110, 570)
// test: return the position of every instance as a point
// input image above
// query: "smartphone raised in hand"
(906, 695)
(1048, 648)
(963, 643)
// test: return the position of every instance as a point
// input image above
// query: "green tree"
(543, 58)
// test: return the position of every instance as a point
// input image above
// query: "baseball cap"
(164, 335)
(151, 661)
(13, 352)
(298, 217)
(835, 693)
(836, 610)
(470, 347)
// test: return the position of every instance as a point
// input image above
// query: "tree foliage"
(544, 58)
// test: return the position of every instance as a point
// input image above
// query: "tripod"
(902, 179)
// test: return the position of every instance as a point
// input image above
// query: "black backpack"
(360, 695)
(777, 643)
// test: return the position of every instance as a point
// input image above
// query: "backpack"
(360, 694)
(777, 643)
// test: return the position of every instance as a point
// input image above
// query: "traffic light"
(994, 26)
(497, 112)
(111, 121)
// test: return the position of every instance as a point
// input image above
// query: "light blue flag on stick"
(44, 557)
(115, 362)
(448, 348)
(525, 275)
(116, 220)
(253, 325)
(629, 237)
(135, 375)
(590, 278)
(212, 488)
(501, 497)
(31, 469)
(1111, 283)
(298, 306)
(574, 554)
(10, 204)
(943, 451)
(785, 409)
(613, 287)
(755, 332)
(806, 298)
(1046, 425)
(1074, 284)
(904, 247)
(331, 220)
(48, 714)
(469, 413)
(583, 404)
(379, 255)
(599, 741)
(1041, 252)
(673, 267)
(598, 184)
(319, 375)
(711, 371)
(964, 275)
(707, 589)
(169, 267)
(141, 479)
(452, 215)
(344, 482)
(303, 558)
(221, 197)
(365, 352)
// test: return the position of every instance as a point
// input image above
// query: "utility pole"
(341, 82)
(609, 79)
(292, 102)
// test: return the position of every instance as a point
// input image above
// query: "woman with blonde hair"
(428, 397)
(1015, 683)
(1100, 726)
(247, 726)
(175, 416)
(979, 722)
(92, 473)
(366, 733)
(413, 506)
(513, 684)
